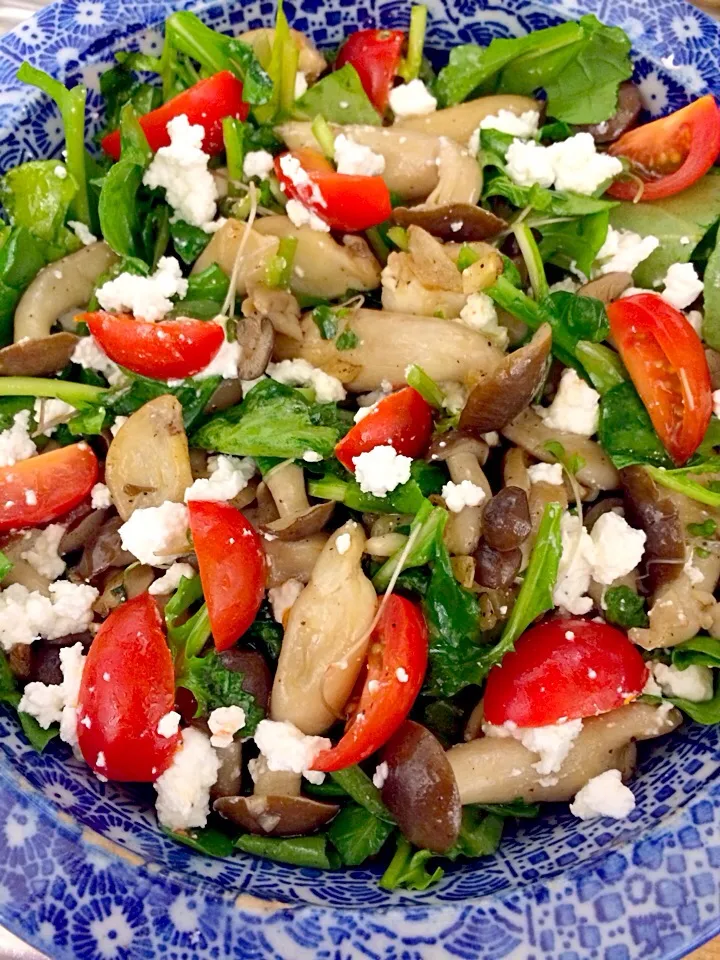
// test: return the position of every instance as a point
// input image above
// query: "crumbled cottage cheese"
(524, 125)
(57, 703)
(342, 544)
(258, 163)
(412, 100)
(169, 724)
(618, 547)
(283, 598)
(224, 723)
(157, 535)
(182, 170)
(479, 313)
(604, 796)
(300, 373)
(624, 250)
(100, 497)
(171, 580)
(90, 356)
(228, 476)
(575, 408)
(382, 771)
(82, 233)
(551, 473)
(457, 496)
(300, 214)
(573, 164)
(695, 683)
(357, 159)
(15, 442)
(303, 216)
(682, 285)
(147, 298)
(42, 554)
(284, 747)
(380, 470)
(552, 743)
(183, 790)
(26, 615)
(49, 413)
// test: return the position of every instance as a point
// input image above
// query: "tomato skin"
(571, 668)
(351, 203)
(399, 642)
(168, 349)
(232, 568)
(128, 685)
(402, 419)
(375, 54)
(689, 137)
(206, 103)
(60, 480)
(653, 336)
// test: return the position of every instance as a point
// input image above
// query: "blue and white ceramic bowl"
(84, 872)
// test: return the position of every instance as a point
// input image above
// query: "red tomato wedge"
(46, 487)
(564, 668)
(397, 660)
(128, 685)
(168, 349)
(206, 103)
(402, 419)
(232, 568)
(670, 154)
(666, 361)
(375, 54)
(344, 201)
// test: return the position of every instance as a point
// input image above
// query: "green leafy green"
(300, 851)
(358, 785)
(706, 712)
(356, 834)
(278, 271)
(347, 340)
(407, 498)
(516, 808)
(119, 208)
(211, 284)
(206, 840)
(533, 260)
(711, 298)
(705, 529)
(35, 197)
(186, 639)
(700, 651)
(6, 565)
(624, 607)
(213, 686)
(552, 203)
(626, 432)
(679, 481)
(189, 241)
(411, 65)
(36, 735)
(325, 319)
(575, 242)
(76, 394)
(573, 463)
(273, 420)
(265, 633)
(445, 719)
(193, 396)
(340, 98)
(21, 257)
(408, 870)
(119, 86)
(480, 834)
(429, 523)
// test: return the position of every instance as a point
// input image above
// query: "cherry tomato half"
(375, 54)
(666, 361)
(402, 419)
(670, 154)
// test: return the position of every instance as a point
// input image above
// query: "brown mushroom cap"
(37, 358)
(256, 673)
(459, 222)
(301, 525)
(608, 287)
(503, 394)
(272, 816)
(652, 510)
(446, 445)
(506, 519)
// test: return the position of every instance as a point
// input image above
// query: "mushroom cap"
(276, 816)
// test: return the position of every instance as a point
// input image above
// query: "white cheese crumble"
(381, 470)
(551, 473)
(300, 373)
(457, 496)
(283, 598)
(90, 356)
(181, 168)
(523, 125)
(169, 724)
(695, 319)
(412, 100)
(60, 172)
(312, 456)
(157, 535)
(226, 361)
(479, 314)
(100, 497)
(299, 177)
(566, 285)
(82, 233)
(57, 703)
(303, 216)
(357, 159)
(171, 579)
(529, 163)
(183, 790)
(575, 409)
(301, 84)
(15, 442)
(604, 796)
(49, 413)
(624, 250)
(402, 675)
(573, 164)
(575, 571)
(381, 774)
(695, 683)
(682, 285)
(342, 544)
(224, 723)
(147, 298)
(552, 743)
(228, 476)
(42, 554)
(258, 163)
(26, 615)
(284, 747)
(618, 547)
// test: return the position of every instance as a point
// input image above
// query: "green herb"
(533, 260)
(118, 208)
(265, 632)
(189, 241)
(21, 257)
(340, 98)
(480, 834)
(300, 851)
(407, 498)
(193, 396)
(357, 834)
(516, 808)
(325, 789)
(700, 651)
(234, 141)
(324, 136)
(511, 272)
(445, 719)
(573, 463)
(679, 481)
(625, 607)
(213, 686)
(325, 320)
(36, 735)
(551, 203)
(706, 712)
(358, 785)
(466, 257)
(278, 270)
(6, 565)
(626, 432)
(602, 365)
(207, 840)
(118, 86)
(574, 243)
(273, 420)
(88, 422)
(429, 523)
(347, 340)
(555, 132)
(706, 529)
(425, 386)
(711, 299)
(36, 198)
(76, 394)
(408, 870)
(187, 639)
(211, 284)
(410, 67)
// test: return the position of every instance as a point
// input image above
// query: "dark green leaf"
(516, 808)
(325, 320)
(555, 203)
(189, 241)
(118, 208)
(300, 851)
(480, 834)
(36, 198)
(625, 608)
(118, 87)
(705, 529)
(265, 632)
(357, 834)
(408, 870)
(257, 85)
(555, 132)
(207, 840)
(211, 284)
(429, 523)
(711, 305)
(6, 565)
(707, 712)
(575, 242)
(579, 318)
(213, 686)
(445, 719)
(626, 432)
(88, 422)
(37, 736)
(702, 651)
(192, 394)
(21, 257)
(347, 340)
(358, 785)
(340, 98)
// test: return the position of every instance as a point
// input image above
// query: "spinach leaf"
(707, 712)
(119, 207)
(576, 242)
(579, 318)
(273, 420)
(300, 851)
(408, 870)
(407, 498)
(516, 808)
(445, 719)
(358, 785)
(35, 197)
(206, 840)
(21, 257)
(36, 735)
(356, 834)
(265, 633)
(119, 86)
(711, 314)
(213, 686)
(192, 394)
(703, 651)
(480, 834)
(554, 203)
(340, 98)
(211, 284)
(189, 241)
(626, 432)
(625, 608)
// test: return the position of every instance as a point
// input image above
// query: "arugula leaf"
(300, 851)
(706, 712)
(679, 481)
(21, 257)
(192, 394)
(119, 209)
(340, 98)
(407, 498)
(357, 834)
(36, 198)
(189, 241)
(626, 432)
(358, 785)
(579, 318)
(625, 608)
(711, 308)
(213, 686)
(206, 840)
(554, 203)
(701, 651)
(188, 638)
(408, 870)
(576, 242)
(480, 834)
(265, 633)
(430, 522)
(273, 420)
(118, 86)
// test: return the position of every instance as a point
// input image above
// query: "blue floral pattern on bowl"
(85, 873)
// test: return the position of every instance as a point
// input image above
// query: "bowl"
(85, 874)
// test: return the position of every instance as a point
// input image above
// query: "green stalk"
(425, 386)
(74, 393)
(397, 865)
(681, 483)
(379, 247)
(431, 522)
(328, 488)
(533, 260)
(399, 237)
(278, 271)
(71, 104)
(324, 136)
(233, 138)
(410, 67)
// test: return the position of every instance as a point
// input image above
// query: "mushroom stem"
(462, 533)
(287, 485)
(277, 783)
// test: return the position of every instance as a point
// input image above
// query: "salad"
(358, 422)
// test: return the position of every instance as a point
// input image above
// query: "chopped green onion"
(399, 237)
(279, 268)
(233, 137)
(466, 257)
(425, 386)
(324, 136)
(74, 393)
(410, 67)
(533, 260)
